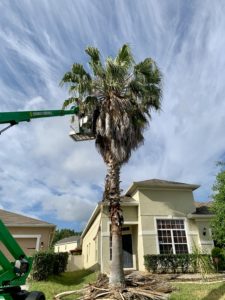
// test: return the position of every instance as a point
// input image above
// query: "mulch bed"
(138, 287)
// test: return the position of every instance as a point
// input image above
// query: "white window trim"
(29, 236)
(171, 218)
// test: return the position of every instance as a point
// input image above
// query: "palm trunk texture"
(112, 194)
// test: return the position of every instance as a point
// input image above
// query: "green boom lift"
(14, 274)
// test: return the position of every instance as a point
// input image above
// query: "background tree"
(121, 94)
(218, 207)
(63, 233)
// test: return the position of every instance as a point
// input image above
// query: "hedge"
(218, 255)
(177, 263)
(48, 263)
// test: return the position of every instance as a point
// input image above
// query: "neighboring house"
(67, 244)
(159, 217)
(31, 234)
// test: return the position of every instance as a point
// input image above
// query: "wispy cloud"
(42, 170)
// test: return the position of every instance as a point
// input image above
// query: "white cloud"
(40, 165)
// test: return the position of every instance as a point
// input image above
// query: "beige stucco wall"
(90, 245)
(205, 241)
(75, 262)
(65, 247)
(150, 205)
(31, 239)
(158, 203)
(130, 213)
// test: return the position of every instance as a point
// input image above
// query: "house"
(159, 217)
(67, 244)
(31, 234)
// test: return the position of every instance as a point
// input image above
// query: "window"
(110, 247)
(96, 250)
(87, 253)
(172, 237)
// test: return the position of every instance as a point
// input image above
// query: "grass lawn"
(76, 280)
(197, 291)
(66, 282)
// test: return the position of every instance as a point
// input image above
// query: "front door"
(127, 251)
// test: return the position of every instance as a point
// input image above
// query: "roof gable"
(158, 183)
(14, 219)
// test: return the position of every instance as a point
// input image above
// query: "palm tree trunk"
(113, 194)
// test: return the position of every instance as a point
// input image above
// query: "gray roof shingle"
(14, 219)
(203, 208)
(70, 239)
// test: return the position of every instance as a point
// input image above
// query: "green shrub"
(60, 262)
(48, 263)
(43, 265)
(176, 263)
(218, 256)
(151, 262)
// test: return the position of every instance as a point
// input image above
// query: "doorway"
(127, 251)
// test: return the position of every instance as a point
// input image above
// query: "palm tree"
(122, 95)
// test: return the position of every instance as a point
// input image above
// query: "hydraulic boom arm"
(14, 118)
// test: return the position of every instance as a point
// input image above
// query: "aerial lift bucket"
(82, 129)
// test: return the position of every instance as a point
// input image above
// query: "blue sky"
(43, 173)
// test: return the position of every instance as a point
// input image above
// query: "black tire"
(20, 295)
(36, 296)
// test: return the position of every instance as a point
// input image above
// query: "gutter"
(198, 216)
(29, 225)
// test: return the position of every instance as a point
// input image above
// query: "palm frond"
(124, 56)
(93, 53)
(66, 78)
(79, 70)
(148, 71)
(90, 103)
(115, 73)
(95, 61)
(69, 101)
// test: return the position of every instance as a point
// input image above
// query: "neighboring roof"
(158, 183)
(11, 219)
(203, 208)
(202, 211)
(68, 240)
